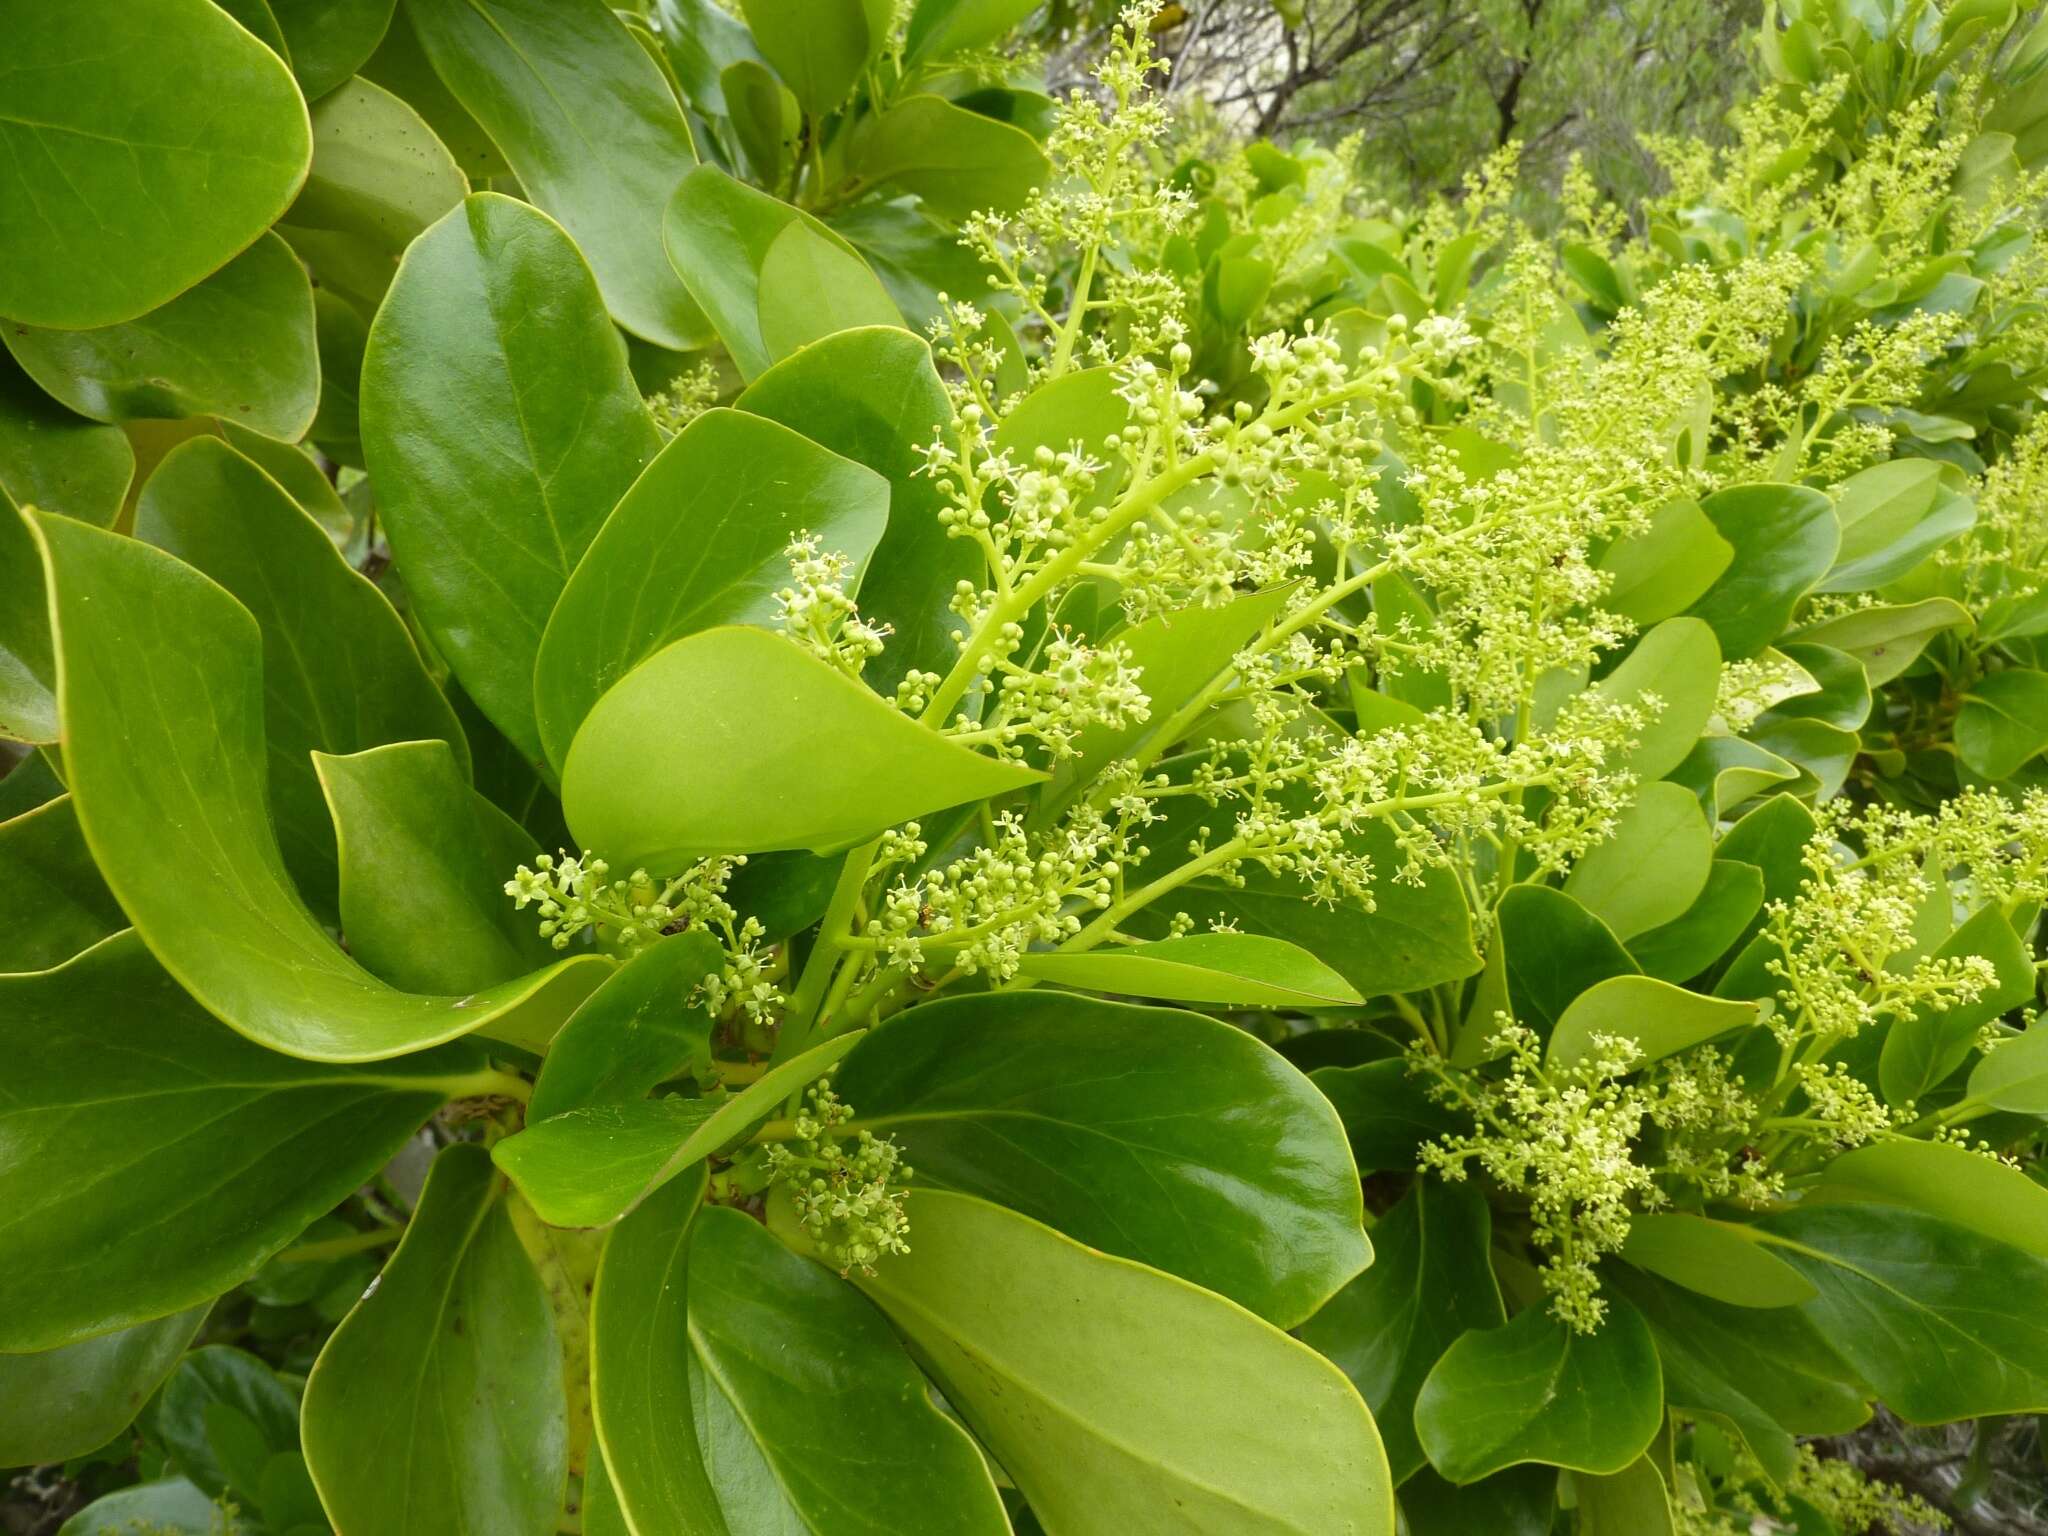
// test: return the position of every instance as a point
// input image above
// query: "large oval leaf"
(53, 903)
(340, 673)
(66, 1402)
(379, 175)
(160, 680)
(1785, 538)
(1659, 1018)
(328, 40)
(1651, 868)
(590, 125)
(1111, 1392)
(238, 346)
(1154, 1134)
(707, 748)
(501, 426)
(1680, 663)
(1242, 970)
(1533, 1390)
(701, 539)
(642, 1027)
(130, 172)
(738, 1387)
(57, 460)
(958, 161)
(226, 1151)
(438, 1404)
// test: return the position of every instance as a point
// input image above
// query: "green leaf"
(1938, 1178)
(1843, 697)
(1533, 1390)
(1893, 516)
(1552, 950)
(424, 860)
(65, 1402)
(1715, 1258)
(501, 426)
(1387, 1111)
(1520, 1501)
(1726, 771)
(401, 66)
(330, 40)
(872, 395)
(1632, 1502)
(588, 1167)
(1150, 1133)
(1652, 868)
(1922, 1048)
(817, 46)
(1667, 567)
(719, 233)
(1940, 1320)
(130, 173)
(813, 287)
(1785, 538)
(1682, 948)
(700, 540)
(1887, 640)
(958, 161)
(739, 1387)
(168, 1507)
(222, 1412)
(28, 664)
(645, 1025)
(1110, 1392)
(2014, 1076)
(53, 903)
(1823, 753)
(1680, 663)
(704, 749)
(112, 1066)
(160, 675)
(2003, 722)
(1431, 1280)
(1660, 1018)
(438, 1403)
(339, 673)
(56, 460)
(1769, 1371)
(941, 28)
(765, 118)
(379, 174)
(1243, 970)
(593, 131)
(239, 345)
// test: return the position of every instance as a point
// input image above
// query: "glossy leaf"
(379, 173)
(167, 1507)
(872, 395)
(239, 345)
(1631, 1502)
(66, 1402)
(1939, 1178)
(588, 1167)
(501, 426)
(701, 749)
(1660, 1018)
(1653, 866)
(330, 39)
(1939, 1319)
(437, 1405)
(739, 1387)
(1243, 970)
(132, 173)
(1533, 1390)
(2003, 722)
(401, 66)
(812, 287)
(161, 685)
(111, 1065)
(1431, 1280)
(1150, 1133)
(1679, 662)
(222, 1414)
(1682, 948)
(57, 460)
(817, 46)
(1387, 1110)
(645, 1025)
(1553, 949)
(958, 161)
(701, 539)
(1668, 566)
(1110, 1392)
(53, 903)
(424, 860)
(340, 673)
(2015, 1075)
(1715, 1258)
(940, 28)
(1922, 1048)
(1887, 639)
(1520, 1501)
(590, 126)
(1893, 516)
(1785, 538)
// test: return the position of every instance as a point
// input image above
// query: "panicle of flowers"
(846, 1186)
(1069, 687)
(688, 396)
(815, 611)
(1751, 685)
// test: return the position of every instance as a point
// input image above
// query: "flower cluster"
(845, 1185)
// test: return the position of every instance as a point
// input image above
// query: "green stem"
(827, 954)
(341, 1247)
